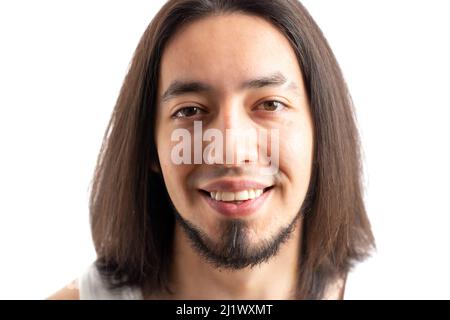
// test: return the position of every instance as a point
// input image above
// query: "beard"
(233, 249)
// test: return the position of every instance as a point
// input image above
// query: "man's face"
(224, 52)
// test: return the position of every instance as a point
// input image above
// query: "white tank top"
(92, 286)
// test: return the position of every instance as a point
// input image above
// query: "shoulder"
(92, 285)
(336, 290)
(69, 292)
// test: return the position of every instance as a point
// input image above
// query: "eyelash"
(195, 107)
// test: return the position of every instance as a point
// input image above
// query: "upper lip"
(234, 185)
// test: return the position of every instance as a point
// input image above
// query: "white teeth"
(241, 195)
(236, 196)
(227, 196)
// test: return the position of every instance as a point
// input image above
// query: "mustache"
(216, 172)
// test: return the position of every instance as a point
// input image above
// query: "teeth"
(236, 196)
(241, 195)
(227, 196)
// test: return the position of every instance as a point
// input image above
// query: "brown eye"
(272, 105)
(187, 112)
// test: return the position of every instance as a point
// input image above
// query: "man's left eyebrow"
(178, 87)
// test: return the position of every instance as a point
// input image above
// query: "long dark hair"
(129, 204)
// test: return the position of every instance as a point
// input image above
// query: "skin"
(224, 51)
(239, 47)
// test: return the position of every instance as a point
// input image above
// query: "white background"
(62, 65)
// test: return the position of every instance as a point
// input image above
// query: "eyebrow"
(178, 87)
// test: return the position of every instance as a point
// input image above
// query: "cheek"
(175, 177)
(173, 174)
(296, 148)
(296, 154)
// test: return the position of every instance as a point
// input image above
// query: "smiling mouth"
(237, 197)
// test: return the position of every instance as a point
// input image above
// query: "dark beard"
(233, 251)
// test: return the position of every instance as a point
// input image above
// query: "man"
(175, 216)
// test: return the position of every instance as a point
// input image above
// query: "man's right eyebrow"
(178, 87)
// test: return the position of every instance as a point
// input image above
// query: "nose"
(239, 133)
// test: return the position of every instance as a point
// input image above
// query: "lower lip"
(230, 209)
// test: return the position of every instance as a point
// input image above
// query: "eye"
(272, 106)
(187, 112)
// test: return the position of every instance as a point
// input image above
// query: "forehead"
(224, 50)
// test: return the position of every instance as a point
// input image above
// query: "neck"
(193, 278)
